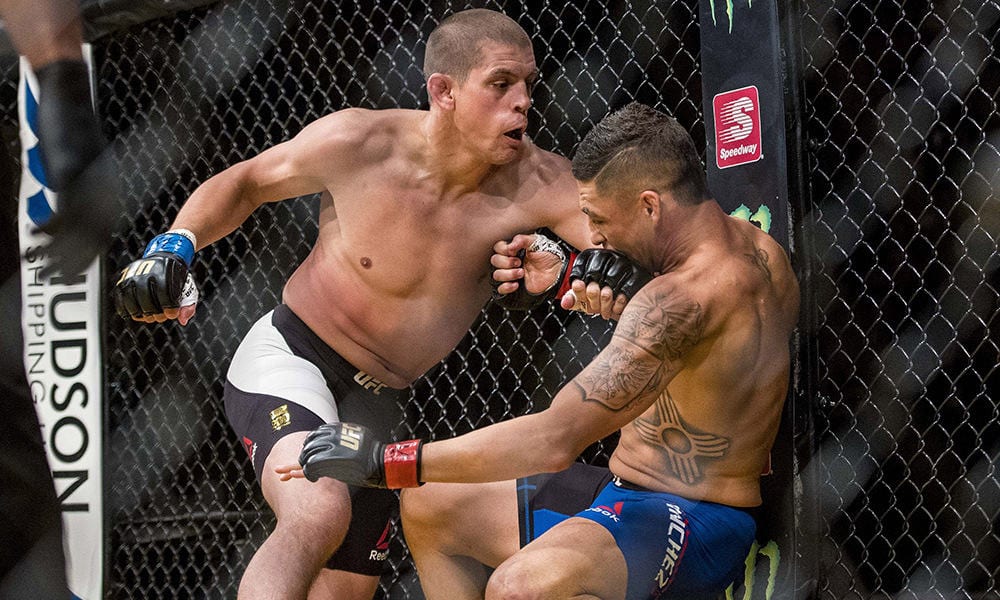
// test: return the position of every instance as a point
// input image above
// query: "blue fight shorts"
(674, 547)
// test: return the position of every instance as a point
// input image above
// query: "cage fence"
(899, 265)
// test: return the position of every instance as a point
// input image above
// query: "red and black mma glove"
(350, 453)
(521, 298)
(159, 280)
(609, 268)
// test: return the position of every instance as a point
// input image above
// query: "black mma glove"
(349, 453)
(521, 298)
(159, 280)
(610, 268)
(78, 166)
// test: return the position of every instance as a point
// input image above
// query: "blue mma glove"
(161, 279)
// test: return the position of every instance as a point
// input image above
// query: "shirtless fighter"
(412, 203)
(695, 378)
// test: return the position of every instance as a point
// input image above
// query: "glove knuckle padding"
(610, 268)
(350, 455)
(151, 284)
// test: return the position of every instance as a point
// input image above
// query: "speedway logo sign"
(737, 127)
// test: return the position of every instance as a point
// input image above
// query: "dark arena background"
(887, 479)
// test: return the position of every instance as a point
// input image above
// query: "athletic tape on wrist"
(544, 244)
(402, 464)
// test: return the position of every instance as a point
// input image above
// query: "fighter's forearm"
(507, 450)
(217, 207)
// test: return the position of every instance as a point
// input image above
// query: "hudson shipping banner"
(62, 355)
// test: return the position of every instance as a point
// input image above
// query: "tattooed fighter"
(694, 377)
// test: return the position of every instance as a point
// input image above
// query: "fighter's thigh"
(326, 502)
(476, 520)
(575, 557)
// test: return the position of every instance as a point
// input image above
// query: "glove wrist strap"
(176, 241)
(544, 244)
(565, 281)
(402, 464)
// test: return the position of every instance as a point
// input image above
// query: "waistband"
(634, 487)
(304, 342)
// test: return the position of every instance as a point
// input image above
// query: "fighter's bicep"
(657, 330)
(281, 172)
(664, 321)
(620, 379)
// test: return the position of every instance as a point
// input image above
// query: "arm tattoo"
(665, 326)
(623, 375)
(617, 380)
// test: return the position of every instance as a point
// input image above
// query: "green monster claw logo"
(729, 12)
(773, 554)
(761, 218)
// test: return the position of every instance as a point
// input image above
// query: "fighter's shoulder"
(668, 314)
(548, 166)
(774, 262)
(358, 127)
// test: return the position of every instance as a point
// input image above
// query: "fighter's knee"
(422, 523)
(415, 506)
(517, 580)
(432, 516)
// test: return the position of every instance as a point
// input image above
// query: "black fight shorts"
(284, 379)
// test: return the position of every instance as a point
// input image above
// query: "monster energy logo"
(761, 218)
(729, 12)
(773, 554)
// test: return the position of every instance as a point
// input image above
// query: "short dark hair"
(454, 46)
(638, 148)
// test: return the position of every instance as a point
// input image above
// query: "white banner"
(62, 354)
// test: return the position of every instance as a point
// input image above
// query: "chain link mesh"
(901, 233)
(902, 129)
(187, 96)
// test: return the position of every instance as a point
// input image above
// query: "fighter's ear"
(439, 90)
(649, 201)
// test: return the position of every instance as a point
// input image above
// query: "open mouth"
(515, 134)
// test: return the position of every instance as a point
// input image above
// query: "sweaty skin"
(411, 207)
(695, 378)
(708, 433)
(424, 245)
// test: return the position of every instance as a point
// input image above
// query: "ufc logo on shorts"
(368, 382)
(737, 127)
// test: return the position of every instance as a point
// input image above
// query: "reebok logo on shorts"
(251, 447)
(381, 550)
(613, 513)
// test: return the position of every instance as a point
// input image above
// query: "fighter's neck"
(449, 163)
(688, 229)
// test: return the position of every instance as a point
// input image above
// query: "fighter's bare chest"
(406, 234)
(415, 215)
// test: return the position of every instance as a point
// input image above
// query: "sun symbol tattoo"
(669, 432)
